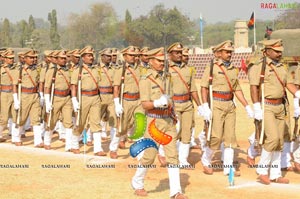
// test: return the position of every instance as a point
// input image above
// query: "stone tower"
(240, 34)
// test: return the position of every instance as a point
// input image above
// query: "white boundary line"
(40, 151)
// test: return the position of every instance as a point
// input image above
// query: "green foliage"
(160, 27)
(100, 28)
(5, 38)
(54, 36)
(289, 19)
(97, 27)
(31, 25)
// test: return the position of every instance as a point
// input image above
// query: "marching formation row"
(68, 87)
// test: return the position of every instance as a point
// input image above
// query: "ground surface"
(80, 182)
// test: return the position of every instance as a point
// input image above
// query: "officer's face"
(106, 59)
(114, 58)
(129, 58)
(145, 58)
(54, 60)
(156, 64)
(225, 55)
(21, 59)
(274, 54)
(175, 56)
(137, 58)
(29, 60)
(35, 60)
(9, 60)
(75, 59)
(185, 59)
(61, 61)
(88, 58)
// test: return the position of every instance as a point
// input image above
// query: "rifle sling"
(181, 78)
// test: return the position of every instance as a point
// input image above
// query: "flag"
(231, 177)
(84, 140)
(201, 30)
(251, 21)
(244, 65)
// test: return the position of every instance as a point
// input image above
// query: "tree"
(289, 19)
(31, 25)
(24, 32)
(161, 27)
(54, 36)
(96, 27)
(5, 33)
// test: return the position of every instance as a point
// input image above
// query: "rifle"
(262, 79)
(19, 96)
(209, 129)
(121, 96)
(79, 96)
(43, 107)
(295, 134)
(258, 127)
(52, 96)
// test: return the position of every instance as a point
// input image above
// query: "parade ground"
(49, 174)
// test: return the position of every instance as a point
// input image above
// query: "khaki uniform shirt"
(30, 76)
(106, 76)
(144, 68)
(7, 72)
(297, 76)
(188, 75)
(151, 91)
(87, 81)
(219, 82)
(62, 78)
(130, 84)
(273, 87)
(44, 67)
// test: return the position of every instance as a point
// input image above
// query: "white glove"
(206, 112)
(200, 110)
(249, 111)
(42, 99)
(75, 104)
(118, 107)
(297, 94)
(48, 103)
(296, 107)
(16, 101)
(161, 102)
(258, 114)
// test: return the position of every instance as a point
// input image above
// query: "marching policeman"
(90, 100)
(224, 85)
(60, 103)
(157, 104)
(274, 96)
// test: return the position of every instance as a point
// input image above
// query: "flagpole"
(254, 31)
(201, 31)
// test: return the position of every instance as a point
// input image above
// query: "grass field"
(80, 182)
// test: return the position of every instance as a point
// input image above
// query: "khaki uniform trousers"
(288, 131)
(223, 126)
(30, 106)
(185, 115)
(274, 120)
(129, 109)
(108, 113)
(90, 111)
(7, 108)
(62, 107)
(165, 125)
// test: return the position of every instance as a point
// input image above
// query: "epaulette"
(117, 66)
(145, 76)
